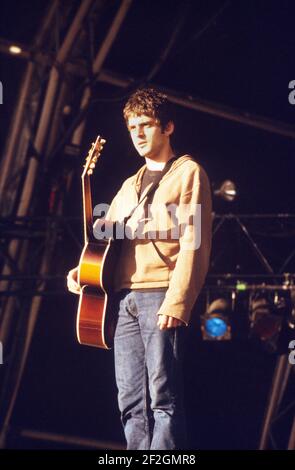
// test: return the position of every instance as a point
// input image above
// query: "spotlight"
(266, 319)
(15, 49)
(215, 324)
(227, 191)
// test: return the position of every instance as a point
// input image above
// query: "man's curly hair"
(150, 102)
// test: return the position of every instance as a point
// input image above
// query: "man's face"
(147, 136)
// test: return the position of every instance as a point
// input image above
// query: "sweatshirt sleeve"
(107, 215)
(192, 262)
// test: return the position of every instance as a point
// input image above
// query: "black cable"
(207, 25)
(166, 51)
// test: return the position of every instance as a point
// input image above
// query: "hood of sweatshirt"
(178, 162)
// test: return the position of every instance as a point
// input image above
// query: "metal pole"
(70, 440)
(18, 117)
(276, 392)
(96, 68)
(34, 309)
(14, 135)
(99, 60)
(224, 112)
(291, 443)
(49, 101)
(186, 101)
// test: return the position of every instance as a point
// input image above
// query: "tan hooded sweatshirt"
(167, 244)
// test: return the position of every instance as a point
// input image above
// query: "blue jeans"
(149, 374)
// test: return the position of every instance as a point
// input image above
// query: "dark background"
(244, 59)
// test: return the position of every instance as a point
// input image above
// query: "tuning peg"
(94, 159)
(92, 165)
(89, 172)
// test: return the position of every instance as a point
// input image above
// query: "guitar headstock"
(93, 155)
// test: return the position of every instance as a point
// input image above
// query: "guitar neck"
(87, 208)
(89, 166)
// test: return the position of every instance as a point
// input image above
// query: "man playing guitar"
(159, 273)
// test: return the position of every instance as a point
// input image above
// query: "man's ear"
(169, 129)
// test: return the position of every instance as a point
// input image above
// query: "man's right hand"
(72, 279)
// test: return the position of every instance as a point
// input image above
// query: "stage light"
(266, 319)
(227, 191)
(215, 323)
(15, 49)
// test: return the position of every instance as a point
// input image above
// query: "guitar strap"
(152, 188)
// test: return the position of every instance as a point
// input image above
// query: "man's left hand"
(166, 321)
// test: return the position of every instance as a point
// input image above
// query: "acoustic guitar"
(96, 318)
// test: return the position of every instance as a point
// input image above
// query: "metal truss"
(247, 228)
(40, 233)
(65, 35)
(280, 409)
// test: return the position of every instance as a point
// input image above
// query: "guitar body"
(97, 311)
